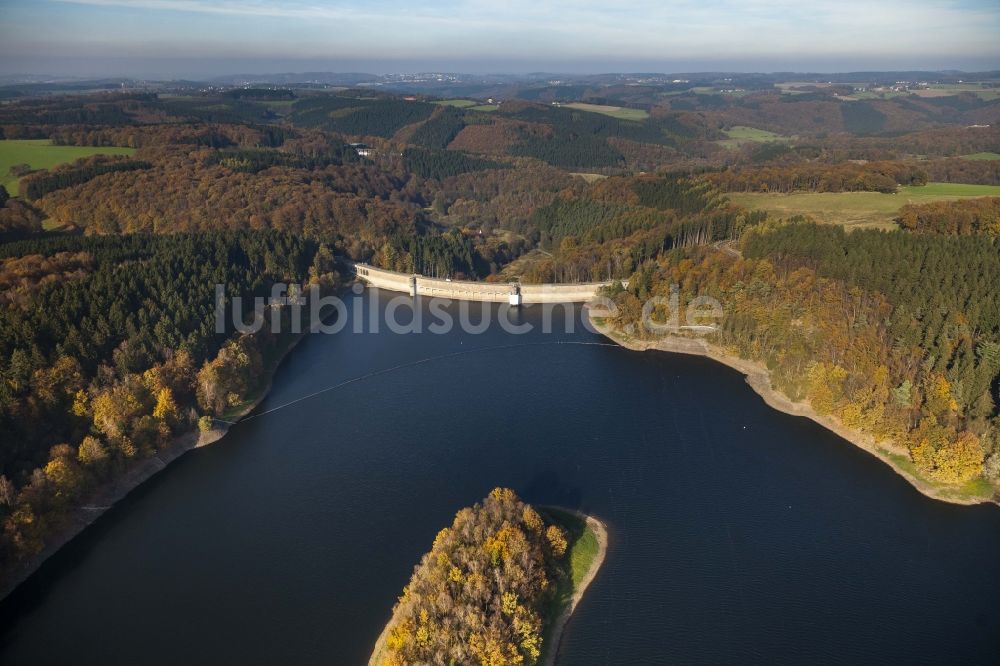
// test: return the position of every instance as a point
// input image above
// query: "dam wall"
(465, 290)
(577, 292)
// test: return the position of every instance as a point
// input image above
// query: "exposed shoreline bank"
(759, 379)
(601, 533)
(115, 490)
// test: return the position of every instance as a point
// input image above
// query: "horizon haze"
(115, 38)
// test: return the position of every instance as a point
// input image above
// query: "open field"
(859, 209)
(483, 107)
(41, 154)
(739, 134)
(460, 103)
(619, 112)
(753, 134)
(982, 156)
(715, 90)
(788, 85)
(869, 94)
(988, 92)
(589, 177)
(951, 191)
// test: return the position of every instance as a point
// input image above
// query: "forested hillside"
(613, 226)
(381, 117)
(883, 177)
(898, 335)
(108, 348)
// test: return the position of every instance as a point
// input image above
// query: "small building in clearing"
(363, 149)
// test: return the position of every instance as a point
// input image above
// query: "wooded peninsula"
(496, 587)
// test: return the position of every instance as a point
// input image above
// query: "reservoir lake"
(737, 534)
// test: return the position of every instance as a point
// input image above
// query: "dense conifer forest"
(896, 334)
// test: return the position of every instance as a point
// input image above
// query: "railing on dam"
(491, 292)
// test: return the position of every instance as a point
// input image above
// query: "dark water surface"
(738, 534)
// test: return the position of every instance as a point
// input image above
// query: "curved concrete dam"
(463, 290)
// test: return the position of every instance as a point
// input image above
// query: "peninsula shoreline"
(759, 379)
(600, 531)
(110, 493)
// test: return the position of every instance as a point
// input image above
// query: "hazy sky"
(193, 38)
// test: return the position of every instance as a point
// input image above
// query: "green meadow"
(859, 209)
(715, 90)
(460, 103)
(987, 92)
(619, 112)
(752, 134)
(41, 154)
(589, 177)
(951, 190)
(982, 156)
(739, 134)
(583, 550)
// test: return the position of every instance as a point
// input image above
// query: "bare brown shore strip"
(601, 532)
(759, 379)
(108, 494)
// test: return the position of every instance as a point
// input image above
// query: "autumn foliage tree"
(953, 218)
(478, 596)
(225, 381)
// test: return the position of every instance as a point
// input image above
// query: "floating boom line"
(410, 364)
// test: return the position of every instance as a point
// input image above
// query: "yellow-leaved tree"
(479, 595)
